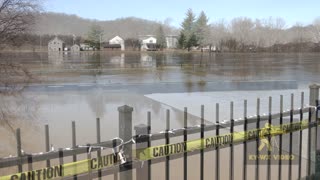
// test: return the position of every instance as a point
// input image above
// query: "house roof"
(116, 38)
(56, 38)
(150, 40)
(146, 36)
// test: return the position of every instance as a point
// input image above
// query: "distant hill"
(63, 24)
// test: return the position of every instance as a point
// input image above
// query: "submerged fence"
(292, 130)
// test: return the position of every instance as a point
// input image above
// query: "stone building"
(55, 45)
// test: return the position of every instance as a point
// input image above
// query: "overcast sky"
(302, 11)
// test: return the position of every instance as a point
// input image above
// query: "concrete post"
(314, 94)
(142, 173)
(125, 133)
(315, 136)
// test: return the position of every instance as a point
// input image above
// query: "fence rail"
(143, 139)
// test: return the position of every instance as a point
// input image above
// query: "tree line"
(245, 34)
(241, 34)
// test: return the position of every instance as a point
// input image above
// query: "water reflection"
(55, 58)
(118, 60)
(147, 60)
(96, 103)
(59, 108)
(173, 66)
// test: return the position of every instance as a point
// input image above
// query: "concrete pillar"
(315, 136)
(125, 133)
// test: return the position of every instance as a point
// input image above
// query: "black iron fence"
(133, 156)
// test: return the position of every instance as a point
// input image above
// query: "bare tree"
(273, 30)
(244, 34)
(132, 43)
(14, 78)
(161, 38)
(242, 30)
(129, 27)
(316, 29)
(16, 18)
(95, 35)
(219, 32)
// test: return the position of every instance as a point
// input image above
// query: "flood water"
(88, 85)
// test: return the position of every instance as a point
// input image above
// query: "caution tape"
(65, 170)
(88, 165)
(218, 141)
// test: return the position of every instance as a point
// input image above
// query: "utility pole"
(74, 38)
(40, 42)
(100, 41)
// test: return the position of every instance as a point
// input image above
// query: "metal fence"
(127, 164)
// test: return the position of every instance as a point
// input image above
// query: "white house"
(150, 40)
(55, 44)
(85, 47)
(117, 41)
(172, 41)
(148, 43)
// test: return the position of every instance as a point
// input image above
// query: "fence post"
(125, 133)
(19, 152)
(142, 172)
(47, 141)
(74, 143)
(98, 141)
(315, 147)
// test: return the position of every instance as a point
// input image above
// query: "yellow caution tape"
(88, 165)
(70, 169)
(218, 141)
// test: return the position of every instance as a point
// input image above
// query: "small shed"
(116, 42)
(55, 45)
(75, 48)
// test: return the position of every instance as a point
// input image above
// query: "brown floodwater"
(84, 86)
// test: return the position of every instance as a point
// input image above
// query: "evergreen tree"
(181, 40)
(188, 23)
(188, 29)
(161, 38)
(191, 42)
(202, 31)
